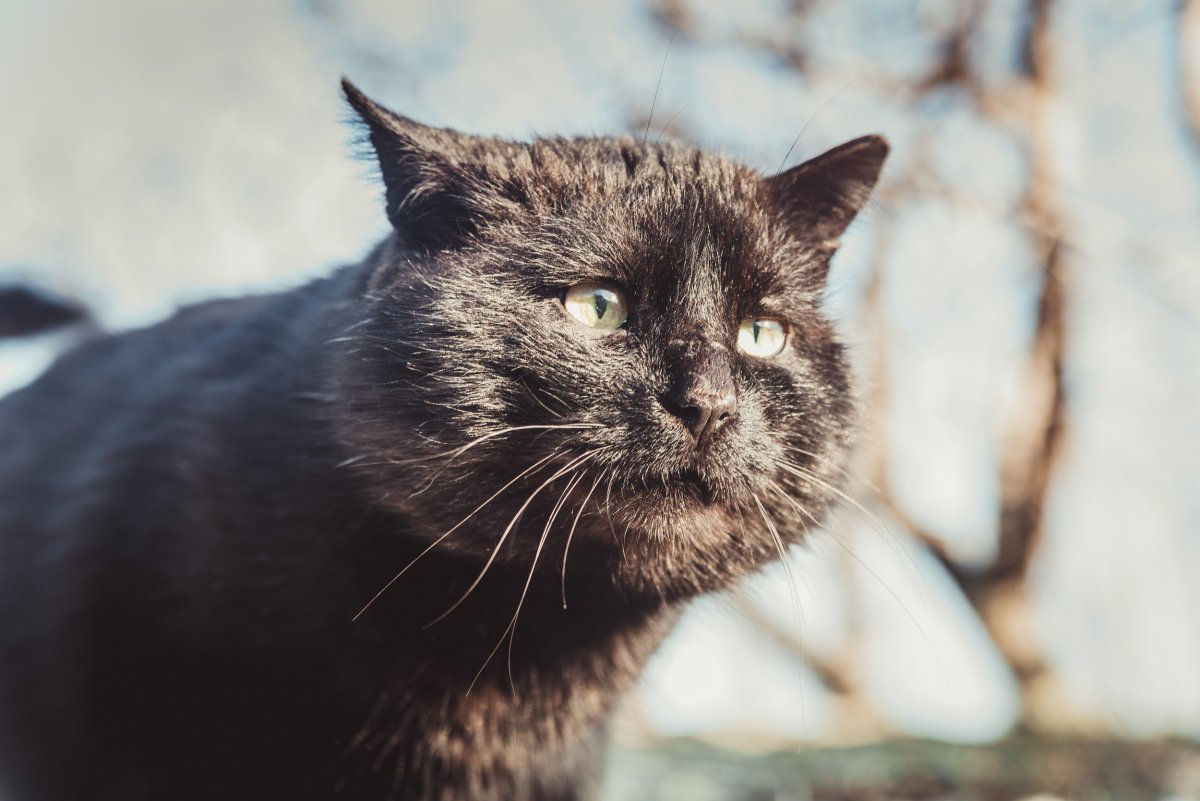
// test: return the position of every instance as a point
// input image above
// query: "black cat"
(411, 531)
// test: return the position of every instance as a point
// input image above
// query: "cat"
(25, 311)
(412, 530)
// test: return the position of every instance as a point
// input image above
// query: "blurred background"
(1010, 603)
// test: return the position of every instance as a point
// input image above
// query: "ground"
(1017, 768)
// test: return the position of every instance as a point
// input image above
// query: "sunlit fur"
(411, 531)
(470, 340)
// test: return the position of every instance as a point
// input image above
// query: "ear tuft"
(821, 197)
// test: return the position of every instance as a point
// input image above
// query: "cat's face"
(612, 339)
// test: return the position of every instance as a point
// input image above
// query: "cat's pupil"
(601, 305)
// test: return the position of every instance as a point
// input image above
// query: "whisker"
(796, 505)
(459, 451)
(608, 514)
(876, 522)
(663, 130)
(532, 468)
(571, 535)
(512, 634)
(493, 434)
(808, 475)
(810, 122)
(787, 569)
(895, 597)
(816, 457)
(879, 579)
(792, 591)
(511, 630)
(608, 494)
(539, 401)
(657, 86)
(507, 530)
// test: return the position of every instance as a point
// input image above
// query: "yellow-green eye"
(596, 305)
(763, 337)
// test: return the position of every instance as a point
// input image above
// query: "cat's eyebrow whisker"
(508, 530)
(531, 469)
(571, 535)
(810, 122)
(657, 86)
(663, 130)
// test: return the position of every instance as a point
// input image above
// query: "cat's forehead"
(617, 166)
(687, 223)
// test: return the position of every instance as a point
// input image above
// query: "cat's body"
(193, 516)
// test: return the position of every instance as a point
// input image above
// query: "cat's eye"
(763, 337)
(596, 305)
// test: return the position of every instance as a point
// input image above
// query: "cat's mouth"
(690, 478)
(687, 484)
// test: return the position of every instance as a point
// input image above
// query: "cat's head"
(597, 335)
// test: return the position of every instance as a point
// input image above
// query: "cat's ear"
(821, 197)
(432, 198)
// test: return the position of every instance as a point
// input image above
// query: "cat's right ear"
(431, 198)
(821, 197)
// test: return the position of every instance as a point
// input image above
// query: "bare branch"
(1189, 66)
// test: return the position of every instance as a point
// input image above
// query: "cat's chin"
(676, 549)
(676, 506)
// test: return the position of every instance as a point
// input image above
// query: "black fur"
(192, 515)
(25, 311)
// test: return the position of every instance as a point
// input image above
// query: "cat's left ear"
(821, 197)
(435, 196)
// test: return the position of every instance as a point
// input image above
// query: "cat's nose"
(704, 398)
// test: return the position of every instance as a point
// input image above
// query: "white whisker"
(893, 543)
(571, 535)
(512, 633)
(507, 530)
(791, 580)
(511, 630)
(459, 451)
(532, 468)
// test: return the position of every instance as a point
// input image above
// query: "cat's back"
(115, 393)
(126, 443)
(90, 445)
(94, 388)
(117, 467)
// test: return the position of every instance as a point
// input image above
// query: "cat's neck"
(503, 623)
(472, 691)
